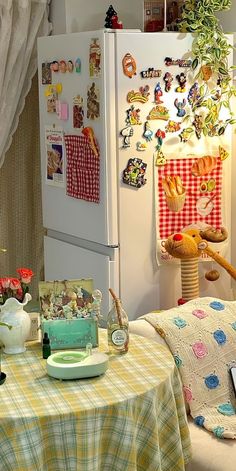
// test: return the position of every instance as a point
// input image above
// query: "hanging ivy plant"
(210, 107)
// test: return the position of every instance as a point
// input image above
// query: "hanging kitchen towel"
(188, 191)
(83, 169)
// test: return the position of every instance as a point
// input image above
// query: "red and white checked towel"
(168, 222)
(83, 169)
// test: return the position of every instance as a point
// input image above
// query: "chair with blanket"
(201, 335)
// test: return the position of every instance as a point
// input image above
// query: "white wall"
(70, 16)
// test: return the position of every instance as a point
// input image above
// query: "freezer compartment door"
(68, 261)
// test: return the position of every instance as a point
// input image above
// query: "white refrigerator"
(112, 241)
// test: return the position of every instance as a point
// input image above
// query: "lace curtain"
(21, 22)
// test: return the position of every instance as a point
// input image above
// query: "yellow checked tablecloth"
(130, 419)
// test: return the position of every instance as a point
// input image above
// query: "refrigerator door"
(150, 286)
(67, 261)
(90, 221)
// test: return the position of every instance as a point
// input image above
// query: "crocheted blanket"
(201, 335)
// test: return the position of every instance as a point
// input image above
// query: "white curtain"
(21, 22)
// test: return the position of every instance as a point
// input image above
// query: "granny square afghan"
(201, 335)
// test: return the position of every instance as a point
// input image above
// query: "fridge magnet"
(127, 133)
(141, 146)
(55, 88)
(134, 173)
(46, 73)
(55, 66)
(172, 126)
(158, 94)
(51, 102)
(62, 67)
(159, 112)
(78, 112)
(148, 133)
(129, 65)
(94, 58)
(141, 96)
(194, 94)
(89, 133)
(224, 154)
(62, 110)
(54, 140)
(133, 116)
(186, 134)
(168, 79)
(182, 79)
(180, 62)
(198, 125)
(83, 167)
(70, 66)
(78, 65)
(180, 105)
(93, 102)
(159, 158)
(150, 73)
(160, 135)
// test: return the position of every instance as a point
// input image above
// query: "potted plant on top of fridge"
(210, 110)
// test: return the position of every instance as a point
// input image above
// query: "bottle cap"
(46, 339)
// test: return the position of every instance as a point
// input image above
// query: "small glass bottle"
(46, 346)
(118, 329)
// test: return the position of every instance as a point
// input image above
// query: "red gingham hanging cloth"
(83, 169)
(168, 222)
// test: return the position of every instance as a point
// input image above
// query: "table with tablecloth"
(131, 418)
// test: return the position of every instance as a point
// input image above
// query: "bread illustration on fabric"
(204, 165)
(174, 192)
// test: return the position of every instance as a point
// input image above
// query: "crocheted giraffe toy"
(188, 247)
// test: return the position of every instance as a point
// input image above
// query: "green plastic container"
(73, 333)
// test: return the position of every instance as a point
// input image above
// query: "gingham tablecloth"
(132, 418)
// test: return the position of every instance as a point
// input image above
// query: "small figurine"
(116, 24)
(168, 79)
(158, 94)
(109, 14)
(180, 105)
(182, 82)
(127, 133)
(148, 133)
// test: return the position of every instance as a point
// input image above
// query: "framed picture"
(69, 312)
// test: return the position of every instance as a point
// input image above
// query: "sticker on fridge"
(93, 102)
(94, 58)
(55, 156)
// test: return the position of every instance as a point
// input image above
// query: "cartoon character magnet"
(78, 112)
(148, 133)
(78, 65)
(168, 79)
(180, 105)
(95, 58)
(93, 103)
(133, 116)
(158, 94)
(140, 96)
(134, 174)
(182, 79)
(129, 65)
(51, 93)
(127, 133)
